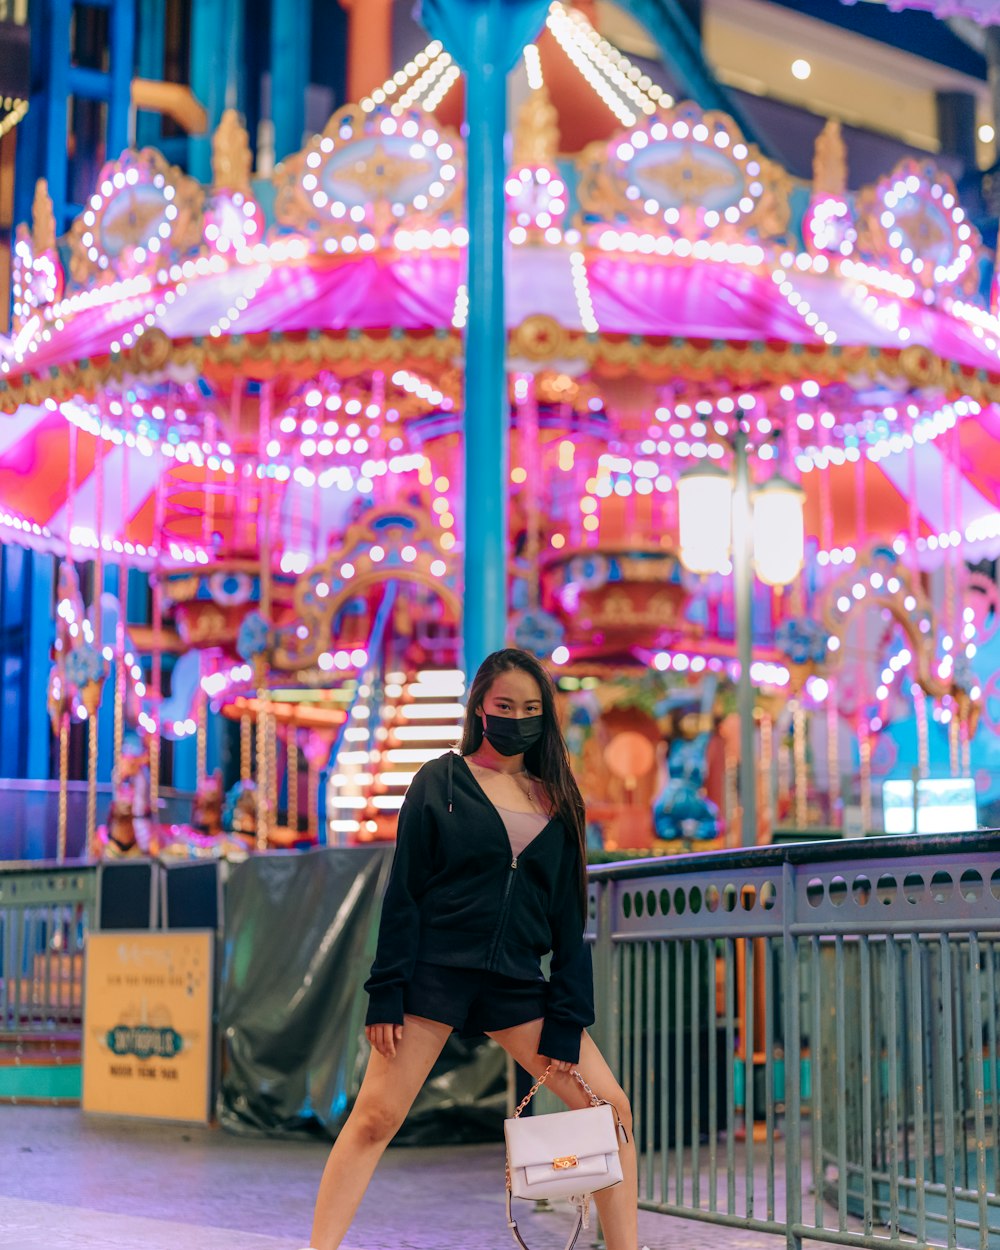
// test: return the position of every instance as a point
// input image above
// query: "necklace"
(526, 790)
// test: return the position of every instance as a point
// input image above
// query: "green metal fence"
(808, 1036)
(45, 911)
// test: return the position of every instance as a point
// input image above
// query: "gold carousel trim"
(538, 339)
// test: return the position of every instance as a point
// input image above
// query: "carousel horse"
(129, 830)
(204, 838)
(239, 815)
(206, 815)
(134, 781)
(117, 839)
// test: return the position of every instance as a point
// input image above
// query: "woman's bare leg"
(387, 1092)
(619, 1205)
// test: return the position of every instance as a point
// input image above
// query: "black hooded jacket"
(456, 896)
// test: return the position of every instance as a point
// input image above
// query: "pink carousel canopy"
(183, 345)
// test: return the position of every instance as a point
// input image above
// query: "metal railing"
(45, 911)
(808, 1036)
(31, 817)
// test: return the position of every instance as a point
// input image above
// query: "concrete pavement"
(75, 1182)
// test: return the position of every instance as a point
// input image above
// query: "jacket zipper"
(502, 919)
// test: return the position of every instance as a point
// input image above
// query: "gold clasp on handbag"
(564, 1162)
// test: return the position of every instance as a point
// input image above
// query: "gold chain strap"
(594, 1100)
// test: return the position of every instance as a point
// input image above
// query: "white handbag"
(568, 1154)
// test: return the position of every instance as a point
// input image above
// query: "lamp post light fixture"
(764, 532)
(713, 512)
(778, 531)
(705, 515)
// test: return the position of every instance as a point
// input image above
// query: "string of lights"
(581, 289)
(442, 87)
(801, 305)
(571, 45)
(421, 84)
(614, 65)
(15, 111)
(412, 70)
(460, 313)
(533, 67)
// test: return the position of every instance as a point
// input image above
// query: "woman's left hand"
(560, 1065)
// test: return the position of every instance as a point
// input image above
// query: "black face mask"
(513, 736)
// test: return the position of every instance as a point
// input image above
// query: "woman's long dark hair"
(548, 759)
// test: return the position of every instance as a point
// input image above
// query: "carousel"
(252, 393)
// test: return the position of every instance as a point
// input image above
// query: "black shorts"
(473, 1001)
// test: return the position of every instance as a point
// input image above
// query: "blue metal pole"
(216, 728)
(290, 23)
(122, 63)
(152, 54)
(185, 765)
(209, 38)
(234, 96)
(89, 84)
(486, 37)
(56, 97)
(487, 418)
(743, 595)
(137, 598)
(680, 44)
(106, 711)
(41, 636)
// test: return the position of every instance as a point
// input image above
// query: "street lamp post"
(743, 599)
(763, 532)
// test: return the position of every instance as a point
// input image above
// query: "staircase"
(40, 1069)
(383, 747)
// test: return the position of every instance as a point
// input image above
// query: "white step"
(419, 719)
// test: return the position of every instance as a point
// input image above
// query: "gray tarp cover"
(300, 935)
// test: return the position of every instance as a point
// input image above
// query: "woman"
(489, 874)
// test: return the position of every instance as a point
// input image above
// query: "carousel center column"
(485, 37)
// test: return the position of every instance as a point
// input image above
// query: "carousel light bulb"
(778, 531)
(705, 503)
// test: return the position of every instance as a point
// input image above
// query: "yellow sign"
(147, 1024)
